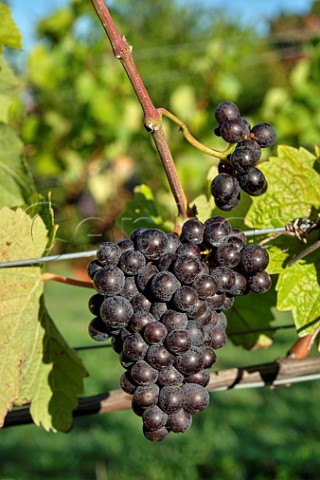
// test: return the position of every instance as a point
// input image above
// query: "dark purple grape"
(253, 145)
(204, 269)
(165, 262)
(116, 312)
(219, 338)
(264, 133)
(233, 131)
(109, 280)
(144, 276)
(173, 243)
(154, 418)
(127, 384)
(173, 320)
(134, 347)
(93, 267)
(253, 182)
(226, 111)
(143, 374)
(217, 228)
(205, 318)
(195, 333)
(220, 321)
(192, 231)
(205, 286)
(225, 167)
(152, 243)
(159, 357)
(260, 282)
(209, 356)
(241, 285)
(178, 341)
(224, 188)
(170, 376)
(236, 232)
(94, 303)
(224, 277)
(185, 298)
(230, 205)
(163, 285)
(171, 399)
(216, 301)
(156, 435)
(146, 396)
(189, 362)
(228, 302)
(235, 241)
(139, 320)
(117, 343)
(126, 362)
(131, 262)
(189, 249)
(227, 255)
(254, 259)
(98, 330)
(140, 302)
(109, 253)
(179, 422)
(196, 397)
(130, 288)
(198, 309)
(158, 309)
(201, 378)
(216, 130)
(126, 245)
(244, 158)
(136, 232)
(186, 268)
(154, 332)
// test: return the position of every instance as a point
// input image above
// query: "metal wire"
(92, 253)
(275, 383)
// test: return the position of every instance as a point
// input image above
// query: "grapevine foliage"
(36, 364)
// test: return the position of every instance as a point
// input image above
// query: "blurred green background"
(84, 142)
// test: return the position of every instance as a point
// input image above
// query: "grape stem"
(152, 119)
(69, 281)
(186, 133)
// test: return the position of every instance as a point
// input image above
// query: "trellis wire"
(92, 253)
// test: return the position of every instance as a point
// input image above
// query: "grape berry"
(161, 298)
(239, 170)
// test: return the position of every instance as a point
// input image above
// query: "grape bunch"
(161, 298)
(239, 170)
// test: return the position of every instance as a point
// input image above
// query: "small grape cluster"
(162, 297)
(239, 170)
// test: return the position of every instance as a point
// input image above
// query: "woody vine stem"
(152, 118)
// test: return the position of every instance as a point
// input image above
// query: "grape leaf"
(36, 365)
(140, 212)
(293, 189)
(8, 85)
(15, 183)
(250, 312)
(9, 33)
(299, 291)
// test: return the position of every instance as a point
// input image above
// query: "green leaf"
(8, 85)
(140, 212)
(204, 207)
(250, 312)
(35, 362)
(15, 182)
(299, 291)
(9, 33)
(293, 189)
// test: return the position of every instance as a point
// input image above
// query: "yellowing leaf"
(293, 189)
(36, 365)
